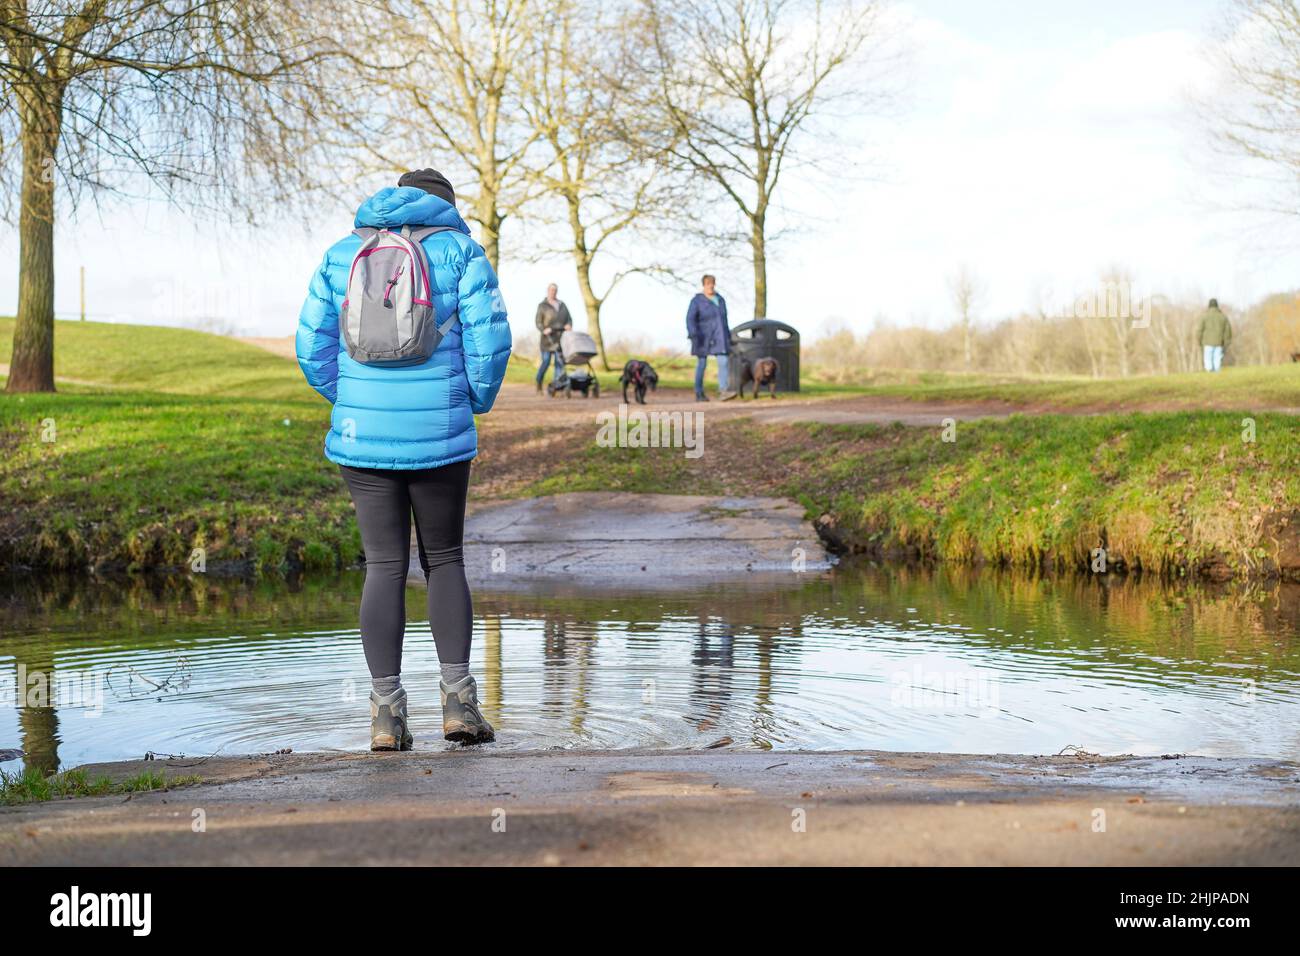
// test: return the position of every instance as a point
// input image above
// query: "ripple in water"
(892, 660)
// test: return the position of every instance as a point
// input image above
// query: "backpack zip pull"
(388, 290)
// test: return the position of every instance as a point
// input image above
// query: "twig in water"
(1075, 751)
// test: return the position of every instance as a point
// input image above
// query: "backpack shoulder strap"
(420, 233)
(446, 326)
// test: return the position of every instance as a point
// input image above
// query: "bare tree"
(740, 81)
(1163, 337)
(968, 293)
(1171, 338)
(454, 91)
(1114, 308)
(602, 156)
(1258, 116)
(188, 95)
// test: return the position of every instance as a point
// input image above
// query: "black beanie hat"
(431, 181)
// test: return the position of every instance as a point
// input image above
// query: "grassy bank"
(214, 444)
(159, 359)
(1175, 493)
(32, 786)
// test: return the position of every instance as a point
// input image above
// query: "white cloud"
(1130, 76)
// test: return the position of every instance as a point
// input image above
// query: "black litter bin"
(765, 338)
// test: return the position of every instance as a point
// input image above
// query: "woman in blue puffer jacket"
(404, 437)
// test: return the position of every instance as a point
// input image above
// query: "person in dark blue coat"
(404, 437)
(706, 324)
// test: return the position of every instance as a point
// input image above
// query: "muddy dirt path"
(519, 406)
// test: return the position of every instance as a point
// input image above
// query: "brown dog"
(761, 372)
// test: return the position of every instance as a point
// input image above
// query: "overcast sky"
(1037, 141)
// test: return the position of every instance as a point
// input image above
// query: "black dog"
(760, 372)
(640, 376)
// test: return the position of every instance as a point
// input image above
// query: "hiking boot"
(389, 729)
(461, 719)
(701, 398)
(539, 387)
(726, 396)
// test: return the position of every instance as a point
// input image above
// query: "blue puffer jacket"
(416, 416)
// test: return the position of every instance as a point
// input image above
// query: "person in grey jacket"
(552, 321)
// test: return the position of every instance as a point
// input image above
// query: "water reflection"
(898, 658)
(38, 721)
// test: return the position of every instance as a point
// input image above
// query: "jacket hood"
(407, 206)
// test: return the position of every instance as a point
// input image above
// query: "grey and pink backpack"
(388, 317)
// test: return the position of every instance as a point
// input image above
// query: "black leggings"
(385, 500)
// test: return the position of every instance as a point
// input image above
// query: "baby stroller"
(577, 349)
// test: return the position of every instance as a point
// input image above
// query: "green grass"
(32, 786)
(1252, 386)
(160, 359)
(216, 446)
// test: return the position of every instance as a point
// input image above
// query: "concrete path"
(643, 541)
(647, 807)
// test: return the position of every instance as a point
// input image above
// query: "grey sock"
(451, 673)
(385, 686)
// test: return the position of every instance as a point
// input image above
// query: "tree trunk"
(592, 304)
(582, 265)
(1086, 335)
(489, 220)
(31, 368)
(758, 241)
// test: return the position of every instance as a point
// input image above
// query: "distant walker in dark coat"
(706, 324)
(1213, 335)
